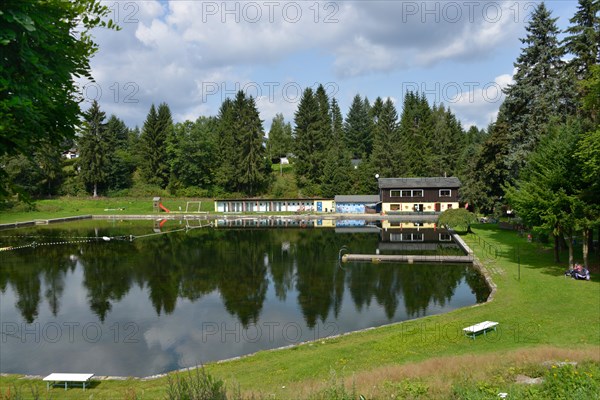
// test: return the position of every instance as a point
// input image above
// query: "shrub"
(198, 385)
(570, 382)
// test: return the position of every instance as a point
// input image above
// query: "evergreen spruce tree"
(165, 127)
(226, 172)
(118, 132)
(375, 111)
(337, 123)
(584, 38)
(368, 134)
(465, 167)
(307, 146)
(541, 92)
(415, 157)
(357, 128)
(252, 167)
(386, 140)
(336, 171)
(121, 161)
(484, 184)
(176, 154)
(94, 148)
(447, 141)
(154, 158)
(324, 131)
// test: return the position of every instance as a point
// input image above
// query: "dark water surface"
(77, 303)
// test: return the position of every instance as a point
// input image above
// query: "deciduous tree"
(45, 47)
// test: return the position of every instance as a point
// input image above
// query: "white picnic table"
(484, 326)
(66, 378)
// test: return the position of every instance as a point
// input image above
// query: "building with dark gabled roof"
(418, 195)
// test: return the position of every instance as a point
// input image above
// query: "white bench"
(66, 378)
(473, 330)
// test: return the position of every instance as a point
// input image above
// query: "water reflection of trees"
(239, 265)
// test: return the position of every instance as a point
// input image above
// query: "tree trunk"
(569, 241)
(95, 190)
(556, 249)
(586, 249)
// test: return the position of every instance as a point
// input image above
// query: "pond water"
(174, 297)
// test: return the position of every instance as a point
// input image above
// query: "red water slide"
(165, 209)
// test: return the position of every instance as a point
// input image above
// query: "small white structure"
(70, 154)
(67, 378)
(473, 330)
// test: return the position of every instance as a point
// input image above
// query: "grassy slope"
(543, 310)
(70, 206)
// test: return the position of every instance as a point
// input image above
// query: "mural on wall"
(350, 208)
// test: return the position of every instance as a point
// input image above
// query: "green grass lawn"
(70, 206)
(542, 313)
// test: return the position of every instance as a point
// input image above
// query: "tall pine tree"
(386, 140)
(253, 168)
(541, 92)
(337, 123)
(155, 167)
(307, 144)
(415, 135)
(122, 162)
(94, 148)
(583, 40)
(225, 176)
(357, 128)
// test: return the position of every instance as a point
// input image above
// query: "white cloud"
(362, 56)
(479, 105)
(177, 51)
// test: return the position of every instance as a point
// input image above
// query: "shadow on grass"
(74, 386)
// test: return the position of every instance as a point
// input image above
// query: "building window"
(407, 193)
(406, 237)
(449, 206)
(445, 193)
(394, 207)
(445, 237)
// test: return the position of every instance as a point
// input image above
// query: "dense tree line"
(542, 154)
(331, 153)
(229, 154)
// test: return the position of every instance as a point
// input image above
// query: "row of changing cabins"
(396, 196)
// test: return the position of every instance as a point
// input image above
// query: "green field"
(70, 206)
(543, 316)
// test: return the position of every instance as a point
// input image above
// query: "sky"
(194, 54)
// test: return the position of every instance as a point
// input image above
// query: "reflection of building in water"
(356, 226)
(274, 222)
(397, 235)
